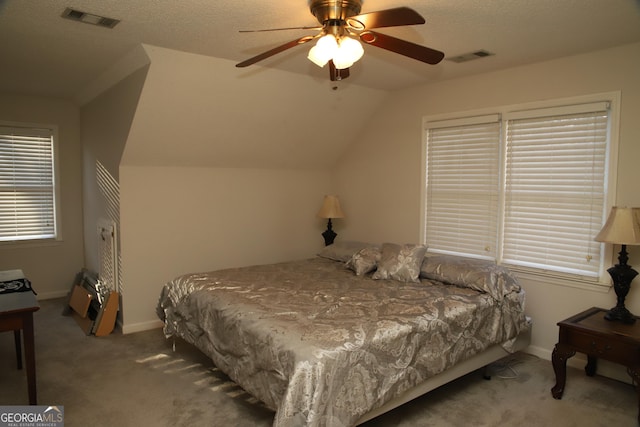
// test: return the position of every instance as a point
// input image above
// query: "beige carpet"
(137, 380)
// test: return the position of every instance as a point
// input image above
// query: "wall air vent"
(89, 18)
(470, 56)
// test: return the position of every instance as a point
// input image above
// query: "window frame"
(56, 187)
(607, 252)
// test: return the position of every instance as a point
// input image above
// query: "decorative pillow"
(480, 275)
(400, 262)
(342, 251)
(365, 260)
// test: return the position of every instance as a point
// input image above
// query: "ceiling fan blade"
(403, 47)
(387, 18)
(280, 29)
(336, 74)
(275, 50)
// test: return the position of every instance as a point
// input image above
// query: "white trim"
(57, 196)
(423, 190)
(462, 121)
(141, 326)
(52, 129)
(34, 243)
(612, 176)
(557, 111)
(610, 100)
(613, 97)
(51, 295)
(555, 278)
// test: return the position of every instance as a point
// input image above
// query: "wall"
(181, 220)
(201, 111)
(226, 167)
(51, 267)
(380, 175)
(106, 121)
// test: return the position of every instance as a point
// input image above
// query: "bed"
(338, 339)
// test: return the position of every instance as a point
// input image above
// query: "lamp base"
(620, 314)
(622, 275)
(329, 235)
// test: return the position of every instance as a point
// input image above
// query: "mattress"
(322, 346)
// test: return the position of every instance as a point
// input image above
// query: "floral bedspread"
(322, 346)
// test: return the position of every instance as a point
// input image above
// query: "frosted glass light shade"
(348, 53)
(343, 53)
(324, 50)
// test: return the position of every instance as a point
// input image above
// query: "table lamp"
(622, 228)
(330, 209)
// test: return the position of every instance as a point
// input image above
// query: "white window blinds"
(555, 188)
(463, 185)
(27, 187)
(527, 188)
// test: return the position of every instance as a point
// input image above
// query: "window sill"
(19, 244)
(558, 280)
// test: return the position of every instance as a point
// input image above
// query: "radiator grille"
(108, 269)
(110, 260)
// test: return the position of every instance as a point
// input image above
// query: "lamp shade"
(330, 208)
(622, 227)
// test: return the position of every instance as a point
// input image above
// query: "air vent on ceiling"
(470, 56)
(89, 18)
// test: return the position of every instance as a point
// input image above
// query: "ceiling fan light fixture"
(315, 56)
(344, 29)
(324, 50)
(343, 53)
(350, 50)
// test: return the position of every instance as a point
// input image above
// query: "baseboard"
(577, 361)
(40, 296)
(540, 352)
(142, 326)
(126, 329)
(605, 368)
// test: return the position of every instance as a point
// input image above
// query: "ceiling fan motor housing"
(342, 20)
(325, 10)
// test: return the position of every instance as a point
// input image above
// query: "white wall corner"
(130, 62)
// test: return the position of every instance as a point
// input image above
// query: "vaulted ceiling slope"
(44, 54)
(195, 111)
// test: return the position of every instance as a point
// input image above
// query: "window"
(463, 182)
(27, 184)
(527, 187)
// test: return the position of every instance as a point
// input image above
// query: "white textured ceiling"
(44, 54)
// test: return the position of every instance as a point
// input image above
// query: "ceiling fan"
(342, 27)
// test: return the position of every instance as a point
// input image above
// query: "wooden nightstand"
(589, 333)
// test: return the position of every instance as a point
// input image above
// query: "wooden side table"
(16, 313)
(589, 333)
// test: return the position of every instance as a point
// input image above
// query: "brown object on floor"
(95, 315)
